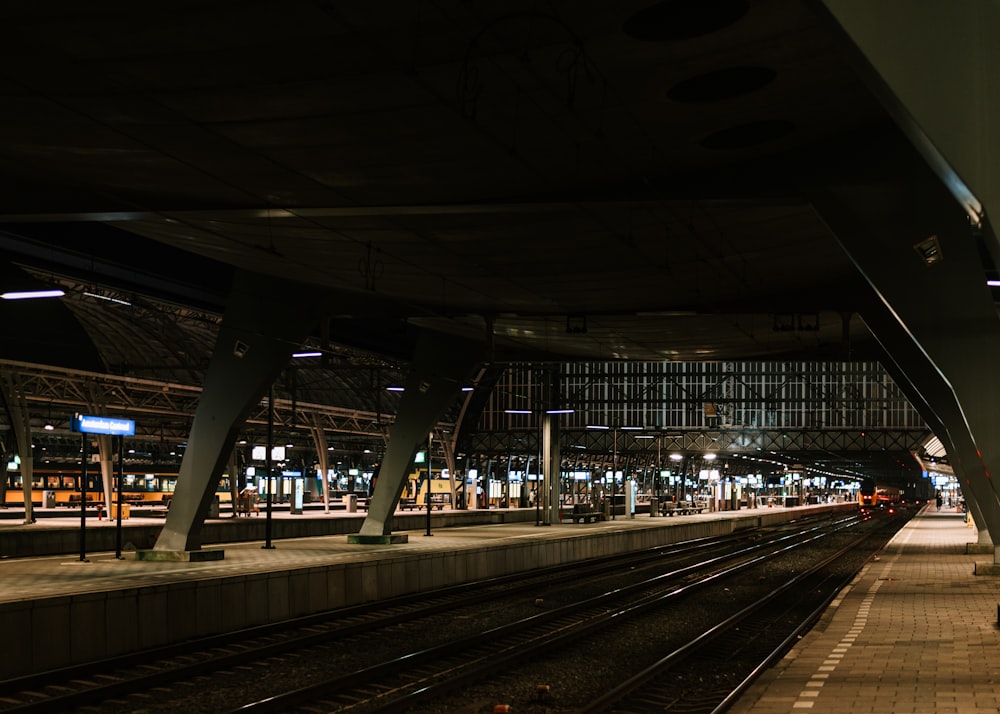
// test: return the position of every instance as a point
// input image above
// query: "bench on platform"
(585, 513)
(682, 508)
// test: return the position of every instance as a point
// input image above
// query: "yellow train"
(62, 487)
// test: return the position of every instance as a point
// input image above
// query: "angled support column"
(17, 406)
(440, 368)
(322, 457)
(924, 387)
(265, 321)
(914, 245)
(105, 457)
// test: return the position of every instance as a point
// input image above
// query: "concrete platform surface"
(915, 633)
(67, 611)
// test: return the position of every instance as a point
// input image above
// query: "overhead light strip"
(108, 298)
(31, 294)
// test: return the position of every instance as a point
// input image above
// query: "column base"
(391, 539)
(188, 556)
(990, 568)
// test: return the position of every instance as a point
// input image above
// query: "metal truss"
(163, 411)
(697, 441)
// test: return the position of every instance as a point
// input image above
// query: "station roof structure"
(563, 180)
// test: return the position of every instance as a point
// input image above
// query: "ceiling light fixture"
(31, 294)
(929, 250)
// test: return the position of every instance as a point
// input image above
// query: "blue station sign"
(88, 424)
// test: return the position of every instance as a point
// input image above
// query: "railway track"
(748, 641)
(126, 684)
(156, 670)
(404, 682)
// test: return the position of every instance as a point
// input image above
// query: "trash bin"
(126, 511)
(351, 502)
(49, 499)
(654, 507)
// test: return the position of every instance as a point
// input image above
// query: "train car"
(871, 495)
(868, 494)
(887, 496)
(61, 487)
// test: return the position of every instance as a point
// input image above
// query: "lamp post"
(677, 459)
(427, 495)
(121, 504)
(83, 500)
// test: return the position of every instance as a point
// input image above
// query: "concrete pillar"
(551, 460)
(322, 457)
(266, 319)
(441, 366)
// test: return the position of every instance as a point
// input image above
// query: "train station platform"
(67, 610)
(916, 632)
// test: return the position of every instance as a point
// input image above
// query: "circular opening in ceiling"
(672, 20)
(750, 134)
(723, 84)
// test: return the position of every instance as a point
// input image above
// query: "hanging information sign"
(87, 424)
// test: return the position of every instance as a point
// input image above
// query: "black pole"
(538, 488)
(614, 473)
(121, 478)
(83, 502)
(430, 441)
(267, 468)
(538, 475)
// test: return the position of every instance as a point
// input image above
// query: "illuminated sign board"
(87, 424)
(259, 453)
